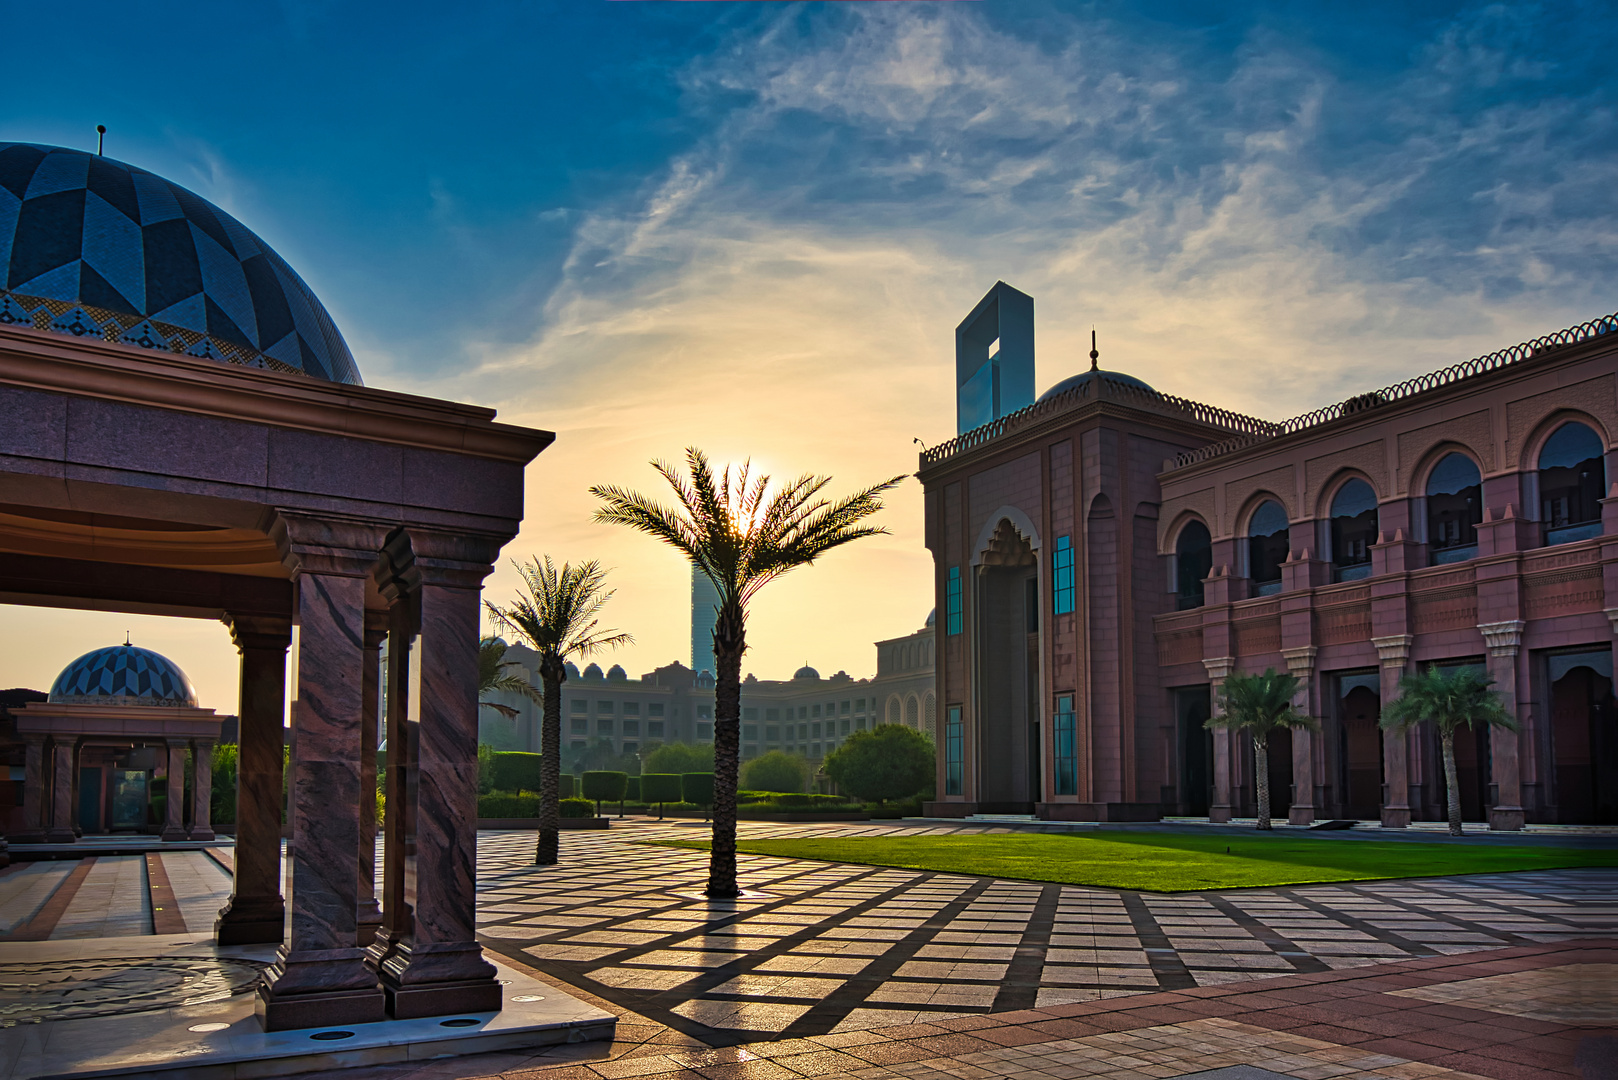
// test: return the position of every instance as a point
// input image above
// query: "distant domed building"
(116, 726)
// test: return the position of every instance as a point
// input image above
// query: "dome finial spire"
(101, 139)
(1095, 354)
(126, 637)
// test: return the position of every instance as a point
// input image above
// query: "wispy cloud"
(1268, 235)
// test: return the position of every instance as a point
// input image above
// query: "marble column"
(174, 804)
(398, 582)
(439, 967)
(1394, 653)
(368, 912)
(256, 913)
(1219, 669)
(1504, 640)
(202, 789)
(35, 791)
(319, 976)
(1301, 663)
(60, 830)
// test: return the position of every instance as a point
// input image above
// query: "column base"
(59, 836)
(1507, 819)
(318, 988)
(174, 833)
(5, 853)
(252, 923)
(1218, 814)
(201, 833)
(32, 836)
(1396, 817)
(368, 916)
(437, 980)
(1301, 815)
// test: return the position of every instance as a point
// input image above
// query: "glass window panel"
(1066, 757)
(1267, 546)
(1193, 559)
(954, 750)
(1454, 508)
(1353, 530)
(1572, 482)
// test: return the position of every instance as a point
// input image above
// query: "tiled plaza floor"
(832, 948)
(839, 970)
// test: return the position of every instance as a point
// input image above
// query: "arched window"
(929, 716)
(912, 712)
(1268, 540)
(1353, 530)
(1572, 481)
(1193, 558)
(893, 710)
(1454, 508)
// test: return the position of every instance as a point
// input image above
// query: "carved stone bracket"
(1301, 660)
(1220, 667)
(1502, 638)
(1393, 650)
(320, 544)
(1612, 617)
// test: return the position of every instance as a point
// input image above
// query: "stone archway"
(1008, 672)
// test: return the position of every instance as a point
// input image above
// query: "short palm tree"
(558, 619)
(1258, 705)
(493, 678)
(741, 535)
(1453, 699)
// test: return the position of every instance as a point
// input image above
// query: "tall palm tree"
(1453, 699)
(741, 535)
(1258, 705)
(493, 678)
(558, 619)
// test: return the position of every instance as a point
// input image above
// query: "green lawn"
(1158, 862)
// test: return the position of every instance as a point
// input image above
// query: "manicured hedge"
(514, 770)
(576, 808)
(697, 787)
(605, 786)
(660, 788)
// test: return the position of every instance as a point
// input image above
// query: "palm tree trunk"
(552, 674)
(1452, 783)
(1261, 776)
(729, 642)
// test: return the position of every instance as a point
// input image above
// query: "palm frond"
(559, 615)
(1451, 698)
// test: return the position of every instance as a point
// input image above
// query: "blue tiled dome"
(93, 247)
(123, 675)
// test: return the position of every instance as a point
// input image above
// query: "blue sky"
(754, 225)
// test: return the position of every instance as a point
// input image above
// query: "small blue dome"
(96, 248)
(123, 675)
(617, 674)
(593, 672)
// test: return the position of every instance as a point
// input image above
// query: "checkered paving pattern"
(833, 948)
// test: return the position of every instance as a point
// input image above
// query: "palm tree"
(741, 536)
(557, 618)
(1459, 697)
(493, 677)
(1258, 705)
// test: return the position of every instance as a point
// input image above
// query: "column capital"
(1502, 638)
(328, 545)
(259, 631)
(1301, 660)
(1612, 617)
(1394, 650)
(1219, 667)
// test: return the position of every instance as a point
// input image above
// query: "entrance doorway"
(1359, 745)
(1584, 734)
(1195, 745)
(1279, 746)
(1008, 673)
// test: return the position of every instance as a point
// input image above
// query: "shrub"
(514, 770)
(506, 804)
(776, 771)
(222, 803)
(679, 758)
(576, 808)
(632, 788)
(660, 788)
(605, 786)
(890, 761)
(697, 788)
(485, 768)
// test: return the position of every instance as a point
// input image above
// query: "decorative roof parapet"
(1573, 335)
(1101, 388)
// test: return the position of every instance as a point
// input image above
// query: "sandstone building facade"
(1108, 555)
